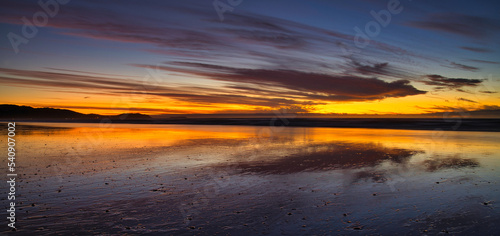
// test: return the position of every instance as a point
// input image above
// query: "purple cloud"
(450, 83)
(476, 49)
(475, 27)
(313, 86)
(463, 67)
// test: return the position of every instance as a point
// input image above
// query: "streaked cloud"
(466, 100)
(313, 86)
(463, 67)
(485, 62)
(475, 27)
(476, 49)
(489, 92)
(119, 87)
(450, 83)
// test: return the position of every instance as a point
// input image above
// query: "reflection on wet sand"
(36, 129)
(455, 162)
(326, 157)
(233, 180)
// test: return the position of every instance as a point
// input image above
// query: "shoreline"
(481, 125)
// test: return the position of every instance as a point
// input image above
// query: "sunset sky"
(189, 57)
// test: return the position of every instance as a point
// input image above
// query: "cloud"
(486, 62)
(123, 109)
(382, 69)
(490, 92)
(450, 83)
(377, 69)
(475, 49)
(475, 111)
(490, 108)
(30, 78)
(191, 31)
(313, 86)
(466, 100)
(214, 98)
(64, 82)
(474, 27)
(463, 67)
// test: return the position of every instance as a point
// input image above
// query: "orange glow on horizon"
(106, 104)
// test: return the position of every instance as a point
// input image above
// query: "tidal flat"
(170, 179)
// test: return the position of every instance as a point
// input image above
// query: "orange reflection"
(134, 136)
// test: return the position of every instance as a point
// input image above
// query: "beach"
(199, 179)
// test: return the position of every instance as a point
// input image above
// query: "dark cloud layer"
(386, 70)
(312, 85)
(377, 69)
(450, 83)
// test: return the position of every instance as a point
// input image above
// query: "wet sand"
(242, 180)
(445, 122)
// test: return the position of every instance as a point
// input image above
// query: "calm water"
(181, 179)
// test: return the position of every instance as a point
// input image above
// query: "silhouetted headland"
(27, 113)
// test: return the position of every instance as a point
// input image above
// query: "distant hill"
(30, 113)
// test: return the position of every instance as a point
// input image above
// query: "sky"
(360, 57)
